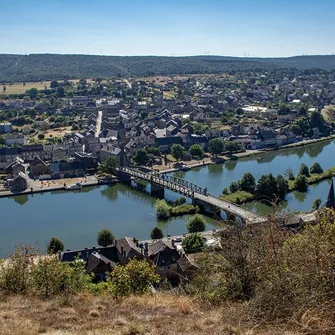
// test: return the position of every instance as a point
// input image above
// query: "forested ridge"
(36, 67)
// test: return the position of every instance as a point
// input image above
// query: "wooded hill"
(38, 67)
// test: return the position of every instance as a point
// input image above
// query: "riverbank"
(222, 159)
(42, 187)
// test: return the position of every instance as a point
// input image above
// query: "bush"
(184, 209)
(105, 238)
(55, 245)
(196, 224)
(180, 201)
(40, 136)
(162, 209)
(156, 233)
(234, 187)
(247, 183)
(136, 277)
(193, 243)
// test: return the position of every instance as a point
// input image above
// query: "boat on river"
(76, 186)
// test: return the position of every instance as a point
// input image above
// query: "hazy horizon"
(239, 28)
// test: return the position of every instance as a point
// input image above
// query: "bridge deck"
(230, 207)
(195, 191)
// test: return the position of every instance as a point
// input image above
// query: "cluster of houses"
(170, 263)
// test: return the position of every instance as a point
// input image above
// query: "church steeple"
(331, 197)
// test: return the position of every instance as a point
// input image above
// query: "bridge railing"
(165, 180)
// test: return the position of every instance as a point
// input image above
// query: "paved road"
(245, 214)
(98, 125)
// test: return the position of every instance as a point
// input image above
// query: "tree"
(141, 157)
(196, 224)
(300, 183)
(232, 147)
(193, 243)
(196, 150)
(289, 174)
(154, 151)
(54, 84)
(316, 204)
(282, 187)
(40, 136)
(136, 277)
(109, 165)
(316, 168)
(60, 92)
(177, 151)
(216, 146)
(33, 93)
(247, 183)
(304, 170)
(267, 187)
(234, 187)
(162, 209)
(55, 245)
(105, 238)
(156, 234)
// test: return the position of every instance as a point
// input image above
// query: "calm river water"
(77, 216)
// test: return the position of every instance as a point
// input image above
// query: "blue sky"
(259, 28)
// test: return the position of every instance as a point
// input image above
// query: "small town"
(167, 167)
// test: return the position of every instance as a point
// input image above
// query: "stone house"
(20, 182)
(38, 167)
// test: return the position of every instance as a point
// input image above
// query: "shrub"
(193, 243)
(40, 136)
(136, 277)
(196, 224)
(184, 209)
(234, 187)
(105, 238)
(180, 201)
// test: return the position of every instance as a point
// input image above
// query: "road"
(98, 125)
(128, 83)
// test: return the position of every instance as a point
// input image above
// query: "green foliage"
(184, 209)
(109, 165)
(141, 157)
(177, 151)
(162, 209)
(180, 201)
(154, 151)
(40, 136)
(282, 187)
(301, 183)
(196, 224)
(289, 174)
(105, 238)
(232, 147)
(234, 187)
(156, 233)
(27, 272)
(196, 150)
(55, 245)
(193, 243)
(304, 170)
(316, 204)
(216, 146)
(247, 183)
(238, 197)
(225, 191)
(316, 168)
(136, 277)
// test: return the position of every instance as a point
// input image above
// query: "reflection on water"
(21, 199)
(300, 196)
(230, 165)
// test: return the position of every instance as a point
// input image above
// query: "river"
(76, 216)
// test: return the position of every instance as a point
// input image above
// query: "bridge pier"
(205, 206)
(157, 191)
(124, 178)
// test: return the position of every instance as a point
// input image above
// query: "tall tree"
(156, 234)
(196, 224)
(105, 237)
(247, 183)
(177, 151)
(141, 157)
(55, 245)
(216, 146)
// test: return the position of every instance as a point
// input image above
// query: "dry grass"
(160, 314)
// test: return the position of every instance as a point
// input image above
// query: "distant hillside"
(36, 67)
